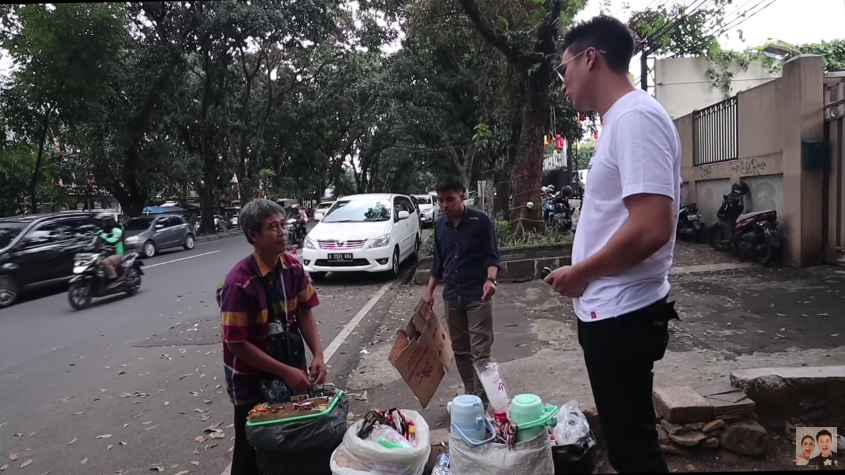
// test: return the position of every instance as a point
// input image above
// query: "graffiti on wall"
(705, 171)
(749, 167)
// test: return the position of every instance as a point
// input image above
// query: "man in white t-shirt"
(625, 239)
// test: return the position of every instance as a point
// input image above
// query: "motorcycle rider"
(111, 236)
(301, 215)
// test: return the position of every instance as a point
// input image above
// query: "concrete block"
(814, 394)
(728, 403)
(421, 277)
(518, 271)
(681, 405)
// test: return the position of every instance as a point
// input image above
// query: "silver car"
(150, 234)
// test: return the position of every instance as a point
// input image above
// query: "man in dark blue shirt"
(466, 258)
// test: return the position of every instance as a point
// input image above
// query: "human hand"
(297, 380)
(428, 298)
(566, 281)
(489, 290)
(318, 370)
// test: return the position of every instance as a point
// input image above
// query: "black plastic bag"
(296, 436)
(275, 391)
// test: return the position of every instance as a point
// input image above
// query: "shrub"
(507, 238)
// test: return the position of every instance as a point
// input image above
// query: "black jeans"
(243, 456)
(619, 354)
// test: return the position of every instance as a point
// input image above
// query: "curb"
(217, 236)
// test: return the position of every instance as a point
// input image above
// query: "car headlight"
(309, 244)
(132, 240)
(380, 241)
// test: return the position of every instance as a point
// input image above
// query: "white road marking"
(347, 330)
(342, 336)
(181, 259)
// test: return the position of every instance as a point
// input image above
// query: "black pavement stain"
(763, 310)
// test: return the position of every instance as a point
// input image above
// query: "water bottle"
(442, 465)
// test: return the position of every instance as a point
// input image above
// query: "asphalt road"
(132, 382)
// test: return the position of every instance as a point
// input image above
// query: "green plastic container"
(303, 417)
(530, 416)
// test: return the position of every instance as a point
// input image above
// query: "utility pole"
(644, 70)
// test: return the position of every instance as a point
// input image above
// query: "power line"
(743, 17)
(713, 26)
(671, 25)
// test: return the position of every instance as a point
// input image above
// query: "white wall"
(682, 84)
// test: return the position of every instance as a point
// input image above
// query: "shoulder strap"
(269, 292)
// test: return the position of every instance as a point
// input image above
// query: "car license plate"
(340, 257)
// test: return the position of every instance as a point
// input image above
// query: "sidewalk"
(733, 316)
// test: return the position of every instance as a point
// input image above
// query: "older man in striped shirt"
(266, 287)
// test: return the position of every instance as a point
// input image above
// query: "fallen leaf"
(200, 439)
(157, 468)
(4, 467)
(121, 372)
(196, 452)
(78, 413)
(67, 399)
(151, 427)
(363, 396)
(166, 403)
(195, 463)
(183, 472)
(26, 464)
(217, 435)
(834, 334)
(125, 426)
(13, 457)
(102, 390)
(108, 447)
(104, 436)
(147, 423)
(84, 461)
(122, 443)
(72, 441)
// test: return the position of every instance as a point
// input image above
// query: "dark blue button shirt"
(462, 255)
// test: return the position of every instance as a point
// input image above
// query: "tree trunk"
(33, 184)
(528, 173)
(501, 205)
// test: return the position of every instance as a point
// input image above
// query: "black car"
(38, 250)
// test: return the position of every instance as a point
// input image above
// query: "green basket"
(303, 417)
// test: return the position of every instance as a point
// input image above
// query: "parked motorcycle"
(549, 211)
(752, 235)
(690, 224)
(562, 221)
(296, 231)
(89, 278)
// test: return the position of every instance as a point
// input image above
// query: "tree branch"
(491, 34)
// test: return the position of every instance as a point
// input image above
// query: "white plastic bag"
(357, 456)
(531, 457)
(572, 426)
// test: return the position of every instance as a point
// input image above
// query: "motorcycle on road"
(296, 231)
(89, 278)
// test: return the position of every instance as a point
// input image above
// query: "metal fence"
(716, 133)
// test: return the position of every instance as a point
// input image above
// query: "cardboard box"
(422, 353)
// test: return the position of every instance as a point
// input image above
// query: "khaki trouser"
(471, 331)
(111, 263)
